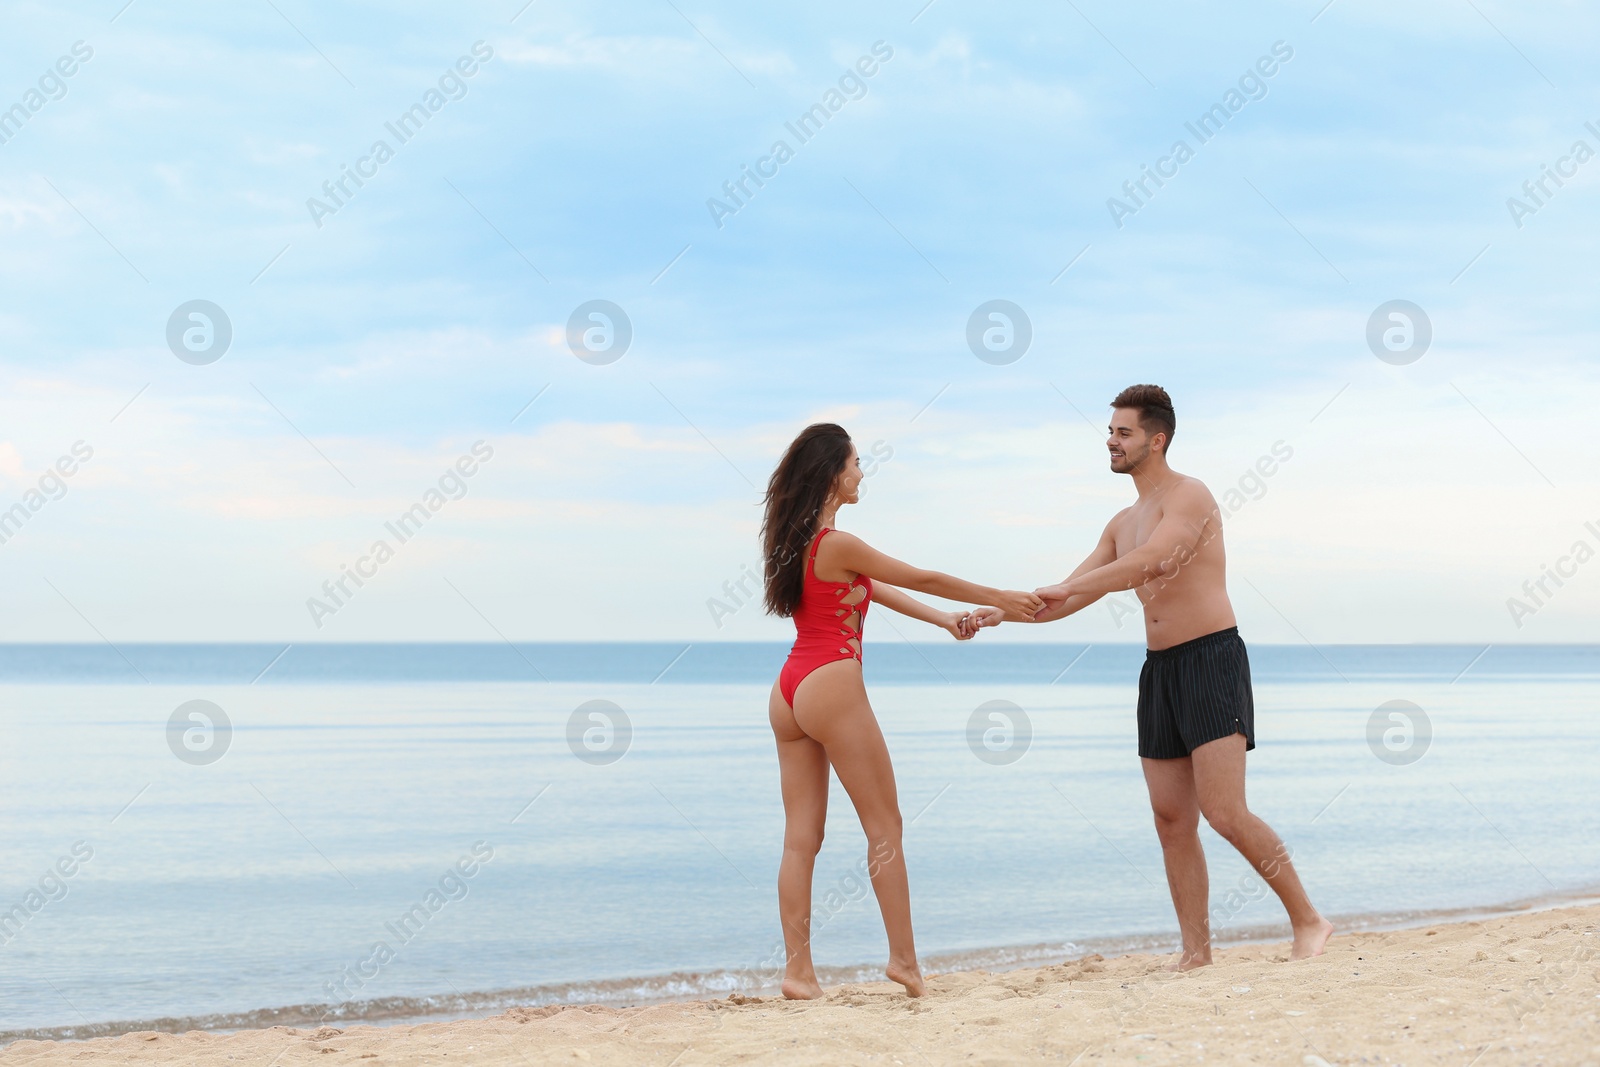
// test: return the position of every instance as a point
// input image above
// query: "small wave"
(621, 992)
(701, 985)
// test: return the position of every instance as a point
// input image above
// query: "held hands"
(987, 617)
(958, 624)
(1053, 595)
(964, 625)
(1016, 602)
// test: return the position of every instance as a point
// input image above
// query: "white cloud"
(639, 56)
(1401, 516)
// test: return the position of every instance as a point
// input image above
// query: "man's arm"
(1105, 553)
(1172, 544)
(1059, 607)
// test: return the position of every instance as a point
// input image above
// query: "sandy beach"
(1521, 989)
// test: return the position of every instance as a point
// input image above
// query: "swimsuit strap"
(811, 560)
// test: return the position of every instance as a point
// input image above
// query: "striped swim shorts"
(1193, 693)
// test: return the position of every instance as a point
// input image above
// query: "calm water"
(354, 779)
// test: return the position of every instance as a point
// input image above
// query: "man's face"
(1128, 443)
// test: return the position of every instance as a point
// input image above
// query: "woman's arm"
(842, 551)
(912, 608)
(893, 599)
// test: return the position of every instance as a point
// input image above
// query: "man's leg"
(1218, 768)
(1177, 810)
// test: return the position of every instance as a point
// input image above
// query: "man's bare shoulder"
(1190, 493)
(1191, 496)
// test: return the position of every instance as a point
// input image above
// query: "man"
(1196, 711)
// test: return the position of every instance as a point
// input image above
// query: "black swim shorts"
(1193, 693)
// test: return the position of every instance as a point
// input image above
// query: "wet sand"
(1520, 989)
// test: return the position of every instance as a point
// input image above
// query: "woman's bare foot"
(801, 989)
(1309, 941)
(1189, 961)
(908, 975)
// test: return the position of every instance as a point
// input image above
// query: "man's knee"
(1228, 820)
(1176, 825)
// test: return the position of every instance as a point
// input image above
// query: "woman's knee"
(885, 827)
(807, 842)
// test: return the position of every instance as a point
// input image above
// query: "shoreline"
(748, 662)
(680, 988)
(1519, 989)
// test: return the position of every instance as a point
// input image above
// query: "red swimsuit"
(827, 624)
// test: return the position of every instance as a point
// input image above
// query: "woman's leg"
(803, 766)
(831, 706)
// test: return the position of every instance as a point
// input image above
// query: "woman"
(825, 579)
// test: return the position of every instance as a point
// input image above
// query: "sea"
(229, 836)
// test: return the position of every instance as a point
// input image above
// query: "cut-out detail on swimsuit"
(850, 621)
(827, 622)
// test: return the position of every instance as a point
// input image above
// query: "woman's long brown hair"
(795, 494)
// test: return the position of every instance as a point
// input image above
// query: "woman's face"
(847, 486)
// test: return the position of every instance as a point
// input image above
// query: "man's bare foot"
(1311, 940)
(801, 989)
(1190, 961)
(908, 975)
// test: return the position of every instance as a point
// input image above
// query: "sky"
(387, 337)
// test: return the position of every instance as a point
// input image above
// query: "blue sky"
(369, 353)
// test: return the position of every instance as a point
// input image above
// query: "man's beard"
(1130, 462)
